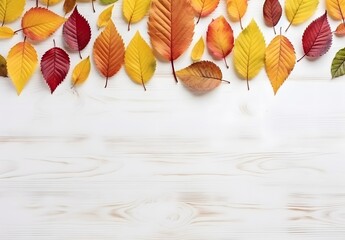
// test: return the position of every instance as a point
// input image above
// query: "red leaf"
(272, 11)
(76, 31)
(55, 64)
(317, 38)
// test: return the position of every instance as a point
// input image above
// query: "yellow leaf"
(50, 2)
(249, 52)
(40, 23)
(198, 50)
(280, 59)
(6, 32)
(140, 62)
(105, 17)
(21, 64)
(135, 10)
(81, 71)
(237, 9)
(11, 10)
(203, 8)
(298, 11)
(336, 9)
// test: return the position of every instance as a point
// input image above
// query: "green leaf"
(3, 67)
(338, 64)
(107, 1)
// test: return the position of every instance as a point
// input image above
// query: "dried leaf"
(3, 67)
(171, 28)
(69, 5)
(105, 17)
(6, 32)
(336, 9)
(76, 32)
(109, 52)
(249, 52)
(201, 77)
(338, 64)
(55, 64)
(272, 11)
(340, 31)
(21, 64)
(140, 63)
(203, 8)
(298, 11)
(11, 10)
(237, 9)
(220, 39)
(317, 38)
(81, 72)
(280, 59)
(50, 2)
(198, 50)
(135, 10)
(40, 23)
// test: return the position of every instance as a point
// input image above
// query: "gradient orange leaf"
(280, 59)
(237, 9)
(109, 52)
(203, 8)
(220, 39)
(40, 23)
(340, 31)
(68, 5)
(171, 28)
(21, 64)
(336, 9)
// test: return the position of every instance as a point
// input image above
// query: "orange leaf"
(220, 38)
(336, 9)
(237, 9)
(69, 5)
(203, 8)
(171, 28)
(340, 31)
(109, 52)
(40, 23)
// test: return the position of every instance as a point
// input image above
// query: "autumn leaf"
(280, 59)
(298, 11)
(21, 64)
(135, 10)
(107, 1)
(336, 9)
(3, 67)
(203, 8)
(338, 64)
(76, 32)
(198, 50)
(11, 10)
(40, 23)
(220, 39)
(171, 28)
(249, 52)
(105, 17)
(109, 52)
(317, 38)
(236, 10)
(6, 32)
(140, 63)
(272, 11)
(50, 2)
(69, 5)
(55, 64)
(201, 77)
(81, 72)
(340, 31)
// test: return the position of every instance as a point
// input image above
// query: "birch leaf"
(336, 9)
(40, 23)
(203, 8)
(338, 64)
(69, 5)
(236, 10)
(340, 31)
(272, 11)
(171, 28)
(81, 72)
(11, 10)
(198, 50)
(21, 64)
(135, 10)
(6, 32)
(280, 59)
(140, 63)
(3, 67)
(105, 17)
(298, 11)
(109, 52)
(249, 52)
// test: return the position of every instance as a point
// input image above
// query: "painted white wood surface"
(121, 163)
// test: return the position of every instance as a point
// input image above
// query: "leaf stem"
(274, 30)
(106, 82)
(288, 27)
(248, 84)
(129, 26)
(36, 3)
(173, 70)
(301, 58)
(226, 63)
(142, 81)
(198, 19)
(80, 55)
(241, 23)
(93, 6)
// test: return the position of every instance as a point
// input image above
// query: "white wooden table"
(121, 163)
